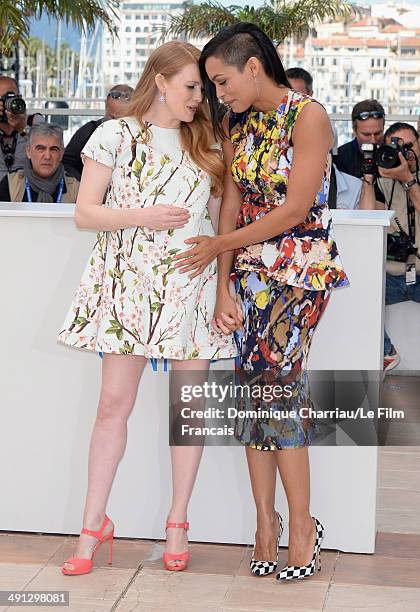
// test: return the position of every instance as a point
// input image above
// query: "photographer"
(14, 126)
(394, 169)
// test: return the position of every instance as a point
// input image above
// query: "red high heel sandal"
(182, 558)
(84, 566)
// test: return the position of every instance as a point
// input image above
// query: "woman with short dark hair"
(275, 217)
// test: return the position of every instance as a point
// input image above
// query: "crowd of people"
(35, 167)
(34, 164)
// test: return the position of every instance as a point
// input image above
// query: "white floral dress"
(131, 299)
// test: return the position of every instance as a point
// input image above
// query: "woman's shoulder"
(119, 128)
(297, 101)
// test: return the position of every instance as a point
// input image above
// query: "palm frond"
(204, 19)
(278, 18)
(82, 14)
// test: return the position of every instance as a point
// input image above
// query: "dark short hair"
(301, 73)
(400, 125)
(366, 106)
(235, 44)
(122, 87)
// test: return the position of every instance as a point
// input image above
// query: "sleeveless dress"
(283, 283)
(131, 299)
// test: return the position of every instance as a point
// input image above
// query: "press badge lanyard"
(29, 194)
(410, 267)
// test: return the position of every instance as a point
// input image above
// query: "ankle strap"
(185, 526)
(97, 534)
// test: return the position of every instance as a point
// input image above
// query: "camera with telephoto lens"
(384, 156)
(14, 103)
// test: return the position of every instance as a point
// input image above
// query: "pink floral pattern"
(132, 299)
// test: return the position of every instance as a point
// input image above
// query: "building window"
(408, 79)
(128, 29)
(138, 29)
(334, 61)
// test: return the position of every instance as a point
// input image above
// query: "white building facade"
(139, 33)
(367, 59)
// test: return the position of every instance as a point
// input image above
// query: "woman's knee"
(114, 405)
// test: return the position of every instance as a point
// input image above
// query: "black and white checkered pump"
(294, 572)
(263, 568)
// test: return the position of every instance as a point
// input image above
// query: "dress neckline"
(160, 127)
(274, 110)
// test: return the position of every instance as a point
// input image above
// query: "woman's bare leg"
(293, 466)
(262, 470)
(185, 464)
(120, 378)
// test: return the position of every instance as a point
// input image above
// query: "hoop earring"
(162, 98)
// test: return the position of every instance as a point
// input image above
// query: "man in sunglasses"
(115, 107)
(401, 192)
(368, 119)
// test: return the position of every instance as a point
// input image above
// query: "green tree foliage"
(278, 18)
(81, 14)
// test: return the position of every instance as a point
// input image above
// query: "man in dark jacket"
(368, 119)
(42, 178)
(115, 107)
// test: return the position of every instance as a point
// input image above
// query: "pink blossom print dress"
(131, 298)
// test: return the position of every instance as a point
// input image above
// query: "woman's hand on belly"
(197, 258)
(163, 217)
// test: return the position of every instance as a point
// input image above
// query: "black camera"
(384, 156)
(14, 103)
(400, 247)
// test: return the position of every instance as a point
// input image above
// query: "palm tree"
(82, 14)
(278, 18)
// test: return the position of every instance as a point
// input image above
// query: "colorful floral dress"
(305, 255)
(131, 298)
(283, 283)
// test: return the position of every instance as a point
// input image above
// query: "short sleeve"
(103, 143)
